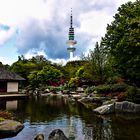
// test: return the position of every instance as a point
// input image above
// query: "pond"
(44, 114)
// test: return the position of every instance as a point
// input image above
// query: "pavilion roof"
(8, 75)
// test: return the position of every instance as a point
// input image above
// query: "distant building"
(9, 81)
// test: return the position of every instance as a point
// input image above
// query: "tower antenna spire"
(71, 19)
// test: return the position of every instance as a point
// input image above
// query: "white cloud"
(13, 12)
(95, 23)
(59, 61)
(6, 35)
(64, 61)
(47, 21)
(32, 53)
(120, 2)
(7, 60)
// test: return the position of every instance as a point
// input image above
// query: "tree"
(97, 59)
(33, 78)
(122, 41)
(73, 83)
(49, 75)
(71, 68)
(80, 72)
(40, 61)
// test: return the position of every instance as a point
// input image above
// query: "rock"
(109, 101)
(57, 134)
(105, 109)
(80, 90)
(39, 137)
(88, 102)
(30, 92)
(118, 107)
(73, 92)
(10, 127)
(85, 100)
(89, 99)
(66, 92)
(127, 107)
(24, 91)
(47, 91)
(70, 97)
(84, 86)
(76, 97)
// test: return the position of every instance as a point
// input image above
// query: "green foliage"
(119, 87)
(33, 78)
(97, 63)
(113, 80)
(122, 41)
(1, 119)
(73, 82)
(107, 88)
(24, 67)
(71, 68)
(89, 72)
(36, 70)
(83, 73)
(80, 72)
(49, 73)
(133, 94)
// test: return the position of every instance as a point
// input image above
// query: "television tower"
(71, 42)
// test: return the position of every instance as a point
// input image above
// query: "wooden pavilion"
(9, 81)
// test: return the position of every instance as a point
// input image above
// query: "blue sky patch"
(4, 27)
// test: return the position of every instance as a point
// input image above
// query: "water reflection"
(42, 115)
(9, 105)
(72, 128)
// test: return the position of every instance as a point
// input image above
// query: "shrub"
(107, 88)
(73, 83)
(122, 96)
(5, 114)
(88, 90)
(133, 94)
(112, 80)
(103, 89)
(119, 87)
(1, 119)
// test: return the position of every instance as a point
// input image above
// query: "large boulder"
(10, 128)
(127, 107)
(105, 109)
(57, 134)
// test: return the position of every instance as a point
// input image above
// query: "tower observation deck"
(71, 42)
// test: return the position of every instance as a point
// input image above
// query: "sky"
(40, 27)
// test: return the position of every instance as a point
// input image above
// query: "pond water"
(42, 115)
